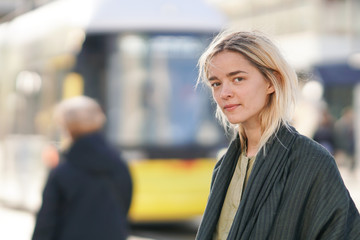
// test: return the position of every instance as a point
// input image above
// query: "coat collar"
(267, 170)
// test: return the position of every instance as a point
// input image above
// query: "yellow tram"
(138, 59)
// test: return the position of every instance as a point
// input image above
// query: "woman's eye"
(238, 79)
(215, 84)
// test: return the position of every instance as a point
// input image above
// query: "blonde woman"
(272, 183)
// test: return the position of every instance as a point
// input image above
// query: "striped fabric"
(295, 191)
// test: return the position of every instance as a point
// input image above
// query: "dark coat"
(87, 196)
(295, 191)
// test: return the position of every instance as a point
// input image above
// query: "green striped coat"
(295, 191)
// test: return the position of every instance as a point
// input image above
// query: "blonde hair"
(80, 115)
(266, 57)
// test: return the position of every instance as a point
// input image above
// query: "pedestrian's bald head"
(80, 115)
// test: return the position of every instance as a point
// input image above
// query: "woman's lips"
(230, 107)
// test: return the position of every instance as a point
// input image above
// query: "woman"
(272, 183)
(88, 195)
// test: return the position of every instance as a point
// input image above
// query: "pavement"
(18, 225)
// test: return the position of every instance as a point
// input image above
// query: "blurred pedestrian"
(88, 195)
(345, 138)
(325, 134)
(272, 183)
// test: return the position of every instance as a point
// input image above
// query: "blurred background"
(138, 59)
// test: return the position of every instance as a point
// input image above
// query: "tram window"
(152, 99)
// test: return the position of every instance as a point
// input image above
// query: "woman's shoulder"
(306, 146)
(301, 146)
(310, 156)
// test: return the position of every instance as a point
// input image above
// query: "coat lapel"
(264, 188)
(221, 179)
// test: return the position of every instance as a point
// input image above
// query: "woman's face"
(238, 87)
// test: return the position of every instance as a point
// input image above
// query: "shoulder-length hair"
(266, 57)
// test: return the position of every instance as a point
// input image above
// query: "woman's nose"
(226, 91)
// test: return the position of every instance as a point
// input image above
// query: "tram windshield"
(152, 100)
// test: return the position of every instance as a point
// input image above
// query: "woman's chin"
(234, 122)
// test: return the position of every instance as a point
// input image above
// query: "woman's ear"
(271, 88)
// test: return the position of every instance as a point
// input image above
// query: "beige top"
(233, 196)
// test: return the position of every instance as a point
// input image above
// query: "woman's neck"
(253, 136)
(251, 149)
